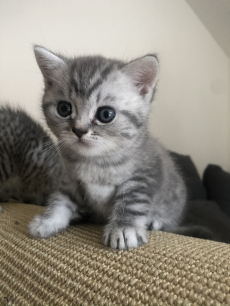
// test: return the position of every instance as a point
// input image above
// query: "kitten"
(115, 171)
(30, 167)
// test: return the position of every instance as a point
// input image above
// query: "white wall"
(190, 113)
(229, 113)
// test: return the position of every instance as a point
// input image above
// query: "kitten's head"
(96, 105)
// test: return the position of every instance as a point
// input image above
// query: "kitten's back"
(29, 163)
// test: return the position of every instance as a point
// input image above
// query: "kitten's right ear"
(48, 62)
(143, 73)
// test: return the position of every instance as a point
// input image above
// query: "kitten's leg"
(57, 216)
(128, 222)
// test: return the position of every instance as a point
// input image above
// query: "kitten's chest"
(98, 197)
(99, 194)
(97, 185)
(92, 174)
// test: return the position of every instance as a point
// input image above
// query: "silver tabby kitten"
(29, 163)
(115, 171)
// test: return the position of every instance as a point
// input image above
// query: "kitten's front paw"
(44, 227)
(124, 237)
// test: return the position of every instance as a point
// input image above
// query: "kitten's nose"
(79, 132)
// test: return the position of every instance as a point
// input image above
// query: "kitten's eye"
(64, 108)
(105, 114)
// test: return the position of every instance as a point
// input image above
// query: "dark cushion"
(217, 184)
(185, 165)
(209, 215)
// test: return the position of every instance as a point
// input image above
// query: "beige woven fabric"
(73, 268)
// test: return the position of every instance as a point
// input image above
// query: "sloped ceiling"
(215, 15)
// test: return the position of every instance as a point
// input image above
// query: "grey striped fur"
(117, 173)
(30, 166)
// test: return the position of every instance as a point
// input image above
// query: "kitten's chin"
(88, 148)
(88, 151)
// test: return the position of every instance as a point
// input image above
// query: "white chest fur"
(100, 193)
(98, 183)
(100, 197)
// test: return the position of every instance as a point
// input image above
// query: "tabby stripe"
(135, 213)
(4, 171)
(30, 174)
(126, 135)
(133, 194)
(137, 179)
(132, 118)
(98, 97)
(144, 189)
(133, 199)
(8, 156)
(104, 74)
(94, 86)
(73, 81)
(136, 201)
(81, 191)
(5, 149)
(1, 154)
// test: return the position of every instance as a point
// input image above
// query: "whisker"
(34, 139)
(112, 140)
(39, 155)
(40, 148)
(56, 152)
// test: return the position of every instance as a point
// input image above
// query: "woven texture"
(73, 268)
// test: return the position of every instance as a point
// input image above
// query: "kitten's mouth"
(84, 142)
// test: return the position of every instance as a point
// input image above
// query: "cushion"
(74, 268)
(209, 215)
(195, 188)
(217, 184)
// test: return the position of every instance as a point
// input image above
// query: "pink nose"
(79, 132)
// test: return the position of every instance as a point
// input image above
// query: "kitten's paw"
(44, 227)
(124, 237)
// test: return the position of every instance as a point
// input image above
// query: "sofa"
(74, 268)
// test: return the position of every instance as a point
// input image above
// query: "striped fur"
(29, 162)
(117, 173)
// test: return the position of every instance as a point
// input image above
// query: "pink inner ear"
(145, 80)
(143, 72)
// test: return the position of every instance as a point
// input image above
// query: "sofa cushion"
(74, 268)
(209, 215)
(195, 188)
(217, 184)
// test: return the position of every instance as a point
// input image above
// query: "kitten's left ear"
(48, 62)
(143, 72)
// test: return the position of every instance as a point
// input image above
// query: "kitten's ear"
(143, 72)
(48, 62)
